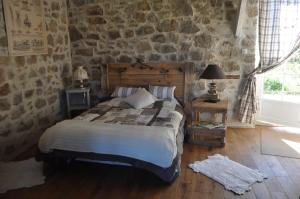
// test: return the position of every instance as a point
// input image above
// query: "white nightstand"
(78, 99)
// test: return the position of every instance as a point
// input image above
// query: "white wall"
(279, 112)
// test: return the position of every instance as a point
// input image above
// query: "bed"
(113, 132)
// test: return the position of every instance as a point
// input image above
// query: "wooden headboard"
(166, 74)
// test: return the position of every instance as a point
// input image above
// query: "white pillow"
(163, 92)
(141, 99)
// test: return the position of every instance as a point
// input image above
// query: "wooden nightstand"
(78, 99)
(207, 133)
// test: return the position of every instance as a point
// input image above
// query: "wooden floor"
(243, 145)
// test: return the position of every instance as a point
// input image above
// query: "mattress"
(114, 128)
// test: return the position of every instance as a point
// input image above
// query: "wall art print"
(25, 27)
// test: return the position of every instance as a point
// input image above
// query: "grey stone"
(124, 59)
(93, 36)
(58, 57)
(144, 30)
(154, 57)
(152, 18)
(39, 83)
(114, 34)
(188, 27)
(60, 40)
(143, 46)
(4, 60)
(96, 60)
(51, 100)
(182, 8)
(96, 20)
(4, 105)
(29, 93)
(75, 35)
(4, 90)
(91, 43)
(159, 38)
(95, 10)
(167, 25)
(20, 61)
(140, 17)
(78, 2)
(40, 103)
(196, 55)
(203, 40)
(249, 58)
(2, 76)
(129, 33)
(230, 67)
(173, 57)
(225, 49)
(3, 41)
(143, 5)
(88, 52)
(167, 49)
(52, 26)
(247, 42)
(18, 99)
(55, 6)
(157, 5)
(17, 112)
(32, 74)
(32, 59)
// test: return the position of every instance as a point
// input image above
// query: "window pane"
(284, 80)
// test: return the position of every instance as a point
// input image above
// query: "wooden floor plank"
(103, 181)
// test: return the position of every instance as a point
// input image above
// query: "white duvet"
(152, 144)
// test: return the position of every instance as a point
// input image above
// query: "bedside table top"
(77, 90)
(201, 104)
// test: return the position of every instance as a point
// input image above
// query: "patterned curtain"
(279, 39)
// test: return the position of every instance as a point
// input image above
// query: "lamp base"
(79, 84)
(212, 95)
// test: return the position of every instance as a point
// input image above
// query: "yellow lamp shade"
(80, 74)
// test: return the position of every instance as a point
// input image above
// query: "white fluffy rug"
(234, 176)
(15, 175)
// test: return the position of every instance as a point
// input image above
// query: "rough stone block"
(4, 105)
(4, 90)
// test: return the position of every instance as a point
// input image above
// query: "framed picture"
(25, 27)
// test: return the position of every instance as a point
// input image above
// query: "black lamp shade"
(212, 71)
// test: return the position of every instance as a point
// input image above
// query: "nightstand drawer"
(207, 137)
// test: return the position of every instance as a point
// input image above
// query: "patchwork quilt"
(161, 113)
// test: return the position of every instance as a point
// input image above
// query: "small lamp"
(80, 75)
(212, 72)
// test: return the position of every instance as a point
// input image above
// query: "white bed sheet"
(153, 144)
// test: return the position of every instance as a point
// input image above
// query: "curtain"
(279, 39)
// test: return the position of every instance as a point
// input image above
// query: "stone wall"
(108, 31)
(31, 86)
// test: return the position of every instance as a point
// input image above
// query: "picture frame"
(25, 27)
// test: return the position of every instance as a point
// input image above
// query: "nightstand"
(78, 99)
(208, 133)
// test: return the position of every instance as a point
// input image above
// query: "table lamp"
(212, 72)
(80, 75)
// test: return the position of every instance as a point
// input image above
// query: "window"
(283, 82)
